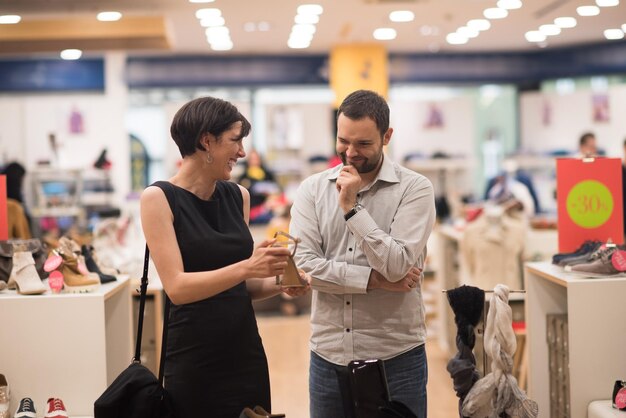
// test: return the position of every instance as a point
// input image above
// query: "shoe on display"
(26, 409)
(3, 285)
(567, 263)
(93, 267)
(55, 408)
(73, 280)
(24, 276)
(587, 247)
(5, 397)
(602, 266)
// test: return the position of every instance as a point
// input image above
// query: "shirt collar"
(387, 172)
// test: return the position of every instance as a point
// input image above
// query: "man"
(364, 226)
(587, 146)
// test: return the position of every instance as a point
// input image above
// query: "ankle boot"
(24, 276)
(5, 397)
(93, 267)
(73, 280)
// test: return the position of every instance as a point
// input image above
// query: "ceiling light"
(207, 22)
(535, 36)
(607, 3)
(467, 32)
(426, 30)
(509, 4)
(249, 26)
(614, 34)
(565, 22)
(495, 13)
(402, 16)
(71, 54)
(624, 27)
(310, 9)
(588, 10)
(549, 30)
(296, 44)
(304, 29)
(456, 39)
(109, 16)
(226, 46)
(201, 1)
(307, 19)
(385, 34)
(479, 24)
(217, 31)
(9, 19)
(263, 26)
(204, 13)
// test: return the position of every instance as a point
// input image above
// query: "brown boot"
(73, 280)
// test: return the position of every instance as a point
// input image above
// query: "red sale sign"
(589, 201)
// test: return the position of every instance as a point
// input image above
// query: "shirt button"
(347, 302)
(347, 329)
(358, 195)
(349, 249)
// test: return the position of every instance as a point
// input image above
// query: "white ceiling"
(344, 21)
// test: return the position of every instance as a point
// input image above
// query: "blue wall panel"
(51, 75)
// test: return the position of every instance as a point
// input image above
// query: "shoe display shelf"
(70, 346)
(596, 310)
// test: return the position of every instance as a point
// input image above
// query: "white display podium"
(68, 346)
(596, 312)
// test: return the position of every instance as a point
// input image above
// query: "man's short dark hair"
(586, 137)
(366, 104)
(201, 116)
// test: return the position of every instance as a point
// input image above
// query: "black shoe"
(586, 248)
(93, 267)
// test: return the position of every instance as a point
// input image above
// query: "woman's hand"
(295, 292)
(267, 260)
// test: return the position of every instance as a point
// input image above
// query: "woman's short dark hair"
(365, 103)
(201, 116)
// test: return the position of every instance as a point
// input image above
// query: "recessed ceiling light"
(549, 30)
(201, 1)
(109, 16)
(535, 36)
(310, 9)
(588, 10)
(226, 45)
(385, 34)
(263, 26)
(402, 16)
(456, 39)
(307, 19)
(217, 31)
(509, 4)
(71, 54)
(479, 24)
(624, 27)
(297, 44)
(467, 32)
(434, 47)
(495, 13)
(204, 13)
(614, 34)
(607, 3)
(249, 26)
(208, 22)
(307, 29)
(10, 19)
(565, 22)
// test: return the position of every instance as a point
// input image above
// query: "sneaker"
(567, 263)
(26, 409)
(586, 248)
(5, 397)
(55, 408)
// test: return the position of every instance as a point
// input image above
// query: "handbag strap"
(142, 305)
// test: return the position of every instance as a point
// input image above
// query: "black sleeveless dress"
(215, 363)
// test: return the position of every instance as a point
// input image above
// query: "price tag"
(589, 204)
(620, 399)
(53, 262)
(618, 259)
(55, 281)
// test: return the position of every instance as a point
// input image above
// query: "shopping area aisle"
(286, 344)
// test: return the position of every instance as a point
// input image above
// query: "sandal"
(291, 277)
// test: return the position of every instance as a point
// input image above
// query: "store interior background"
(492, 95)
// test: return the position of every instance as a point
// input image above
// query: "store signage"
(4, 218)
(589, 200)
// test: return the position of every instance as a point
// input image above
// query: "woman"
(196, 228)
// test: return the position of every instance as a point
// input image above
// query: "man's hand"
(407, 284)
(348, 184)
(295, 292)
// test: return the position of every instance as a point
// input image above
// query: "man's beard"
(365, 167)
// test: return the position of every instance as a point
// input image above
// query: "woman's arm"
(183, 287)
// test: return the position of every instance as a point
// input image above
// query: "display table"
(596, 312)
(68, 346)
(603, 409)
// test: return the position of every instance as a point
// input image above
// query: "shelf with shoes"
(68, 345)
(595, 310)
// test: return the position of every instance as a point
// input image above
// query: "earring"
(209, 159)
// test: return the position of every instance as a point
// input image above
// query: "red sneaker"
(55, 408)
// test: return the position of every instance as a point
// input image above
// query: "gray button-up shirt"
(348, 322)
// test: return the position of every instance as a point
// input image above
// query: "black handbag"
(137, 392)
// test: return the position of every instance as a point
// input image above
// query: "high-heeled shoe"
(73, 280)
(93, 267)
(291, 277)
(24, 276)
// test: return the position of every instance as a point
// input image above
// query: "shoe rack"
(595, 339)
(70, 346)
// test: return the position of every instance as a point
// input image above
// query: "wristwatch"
(357, 207)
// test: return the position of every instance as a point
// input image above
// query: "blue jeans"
(407, 375)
